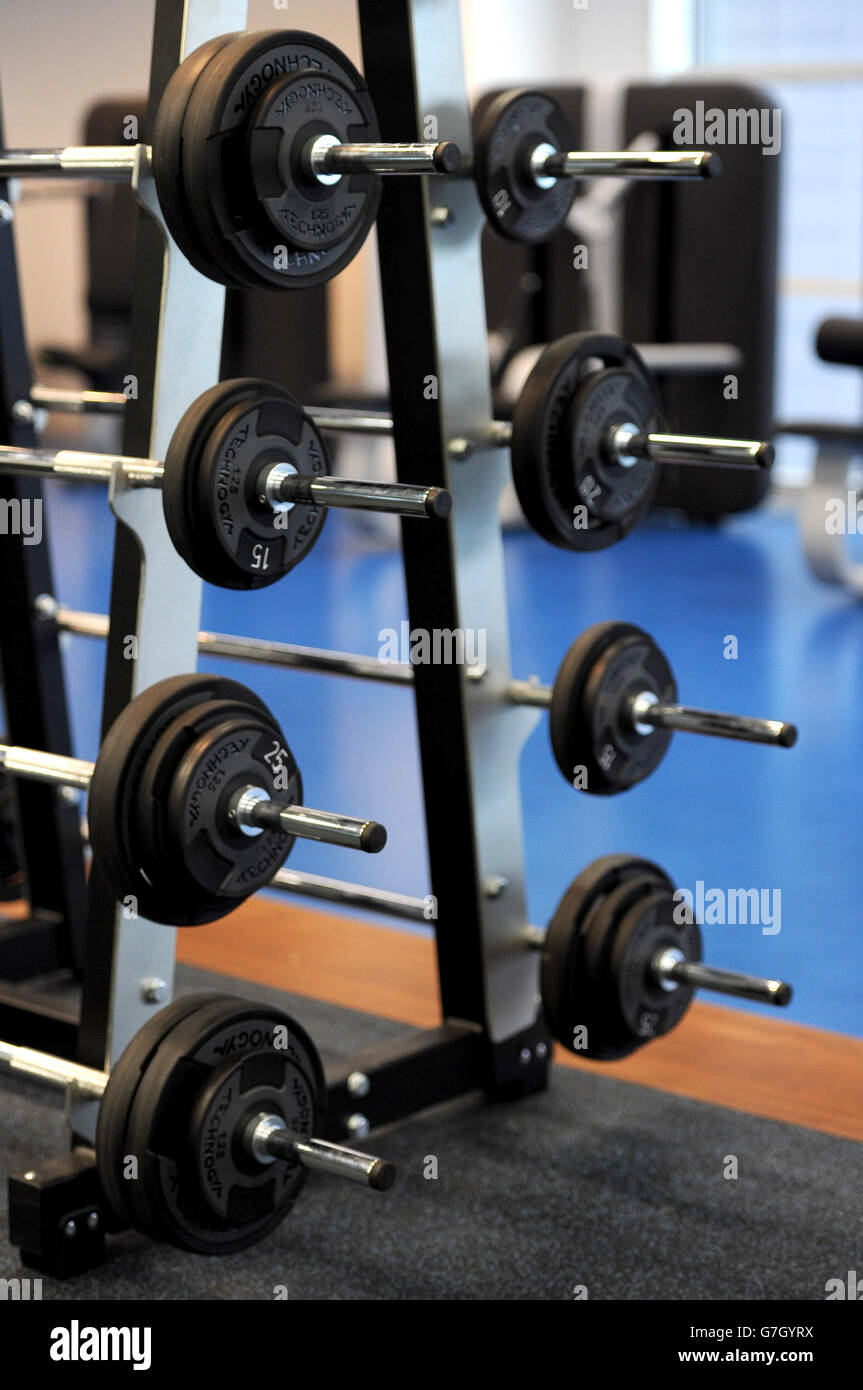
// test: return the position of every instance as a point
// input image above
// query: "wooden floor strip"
(761, 1065)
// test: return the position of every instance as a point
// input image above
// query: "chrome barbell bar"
(644, 710)
(251, 814)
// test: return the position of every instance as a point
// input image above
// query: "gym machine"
(840, 341)
(267, 164)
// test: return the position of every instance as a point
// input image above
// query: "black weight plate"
(644, 1009)
(561, 961)
(541, 449)
(231, 222)
(169, 1203)
(168, 159)
(307, 214)
(246, 543)
(569, 735)
(236, 752)
(616, 753)
(155, 777)
(123, 1081)
(610, 492)
(155, 1067)
(607, 1037)
(112, 811)
(227, 1174)
(185, 898)
(182, 462)
(507, 128)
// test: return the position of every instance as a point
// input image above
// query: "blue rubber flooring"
(732, 816)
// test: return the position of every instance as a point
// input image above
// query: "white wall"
(56, 58)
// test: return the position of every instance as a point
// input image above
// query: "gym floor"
(728, 815)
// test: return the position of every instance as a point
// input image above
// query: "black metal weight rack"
(491, 1037)
(51, 935)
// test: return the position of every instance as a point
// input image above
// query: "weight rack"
(472, 723)
(492, 1037)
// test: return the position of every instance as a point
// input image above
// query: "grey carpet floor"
(595, 1183)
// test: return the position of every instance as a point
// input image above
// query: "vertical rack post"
(34, 693)
(155, 598)
(470, 736)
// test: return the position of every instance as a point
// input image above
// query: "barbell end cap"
(764, 456)
(373, 837)
(447, 157)
(438, 503)
(783, 994)
(788, 736)
(382, 1175)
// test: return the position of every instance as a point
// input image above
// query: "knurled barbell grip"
(669, 969)
(268, 1138)
(646, 710)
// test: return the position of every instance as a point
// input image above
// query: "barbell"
(267, 160)
(207, 1123)
(194, 801)
(621, 960)
(244, 479)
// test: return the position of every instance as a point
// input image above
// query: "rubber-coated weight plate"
(561, 963)
(241, 542)
(123, 1081)
(617, 754)
(549, 439)
(230, 221)
(569, 733)
(237, 752)
(112, 809)
(155, 778)
(645, 1010)
(611, 492)
(507, 128)
(168, 160)
(291, 114)
(540, 446)
(182, 463)
(169, 1200)
(607, 1037)
(203, 875)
